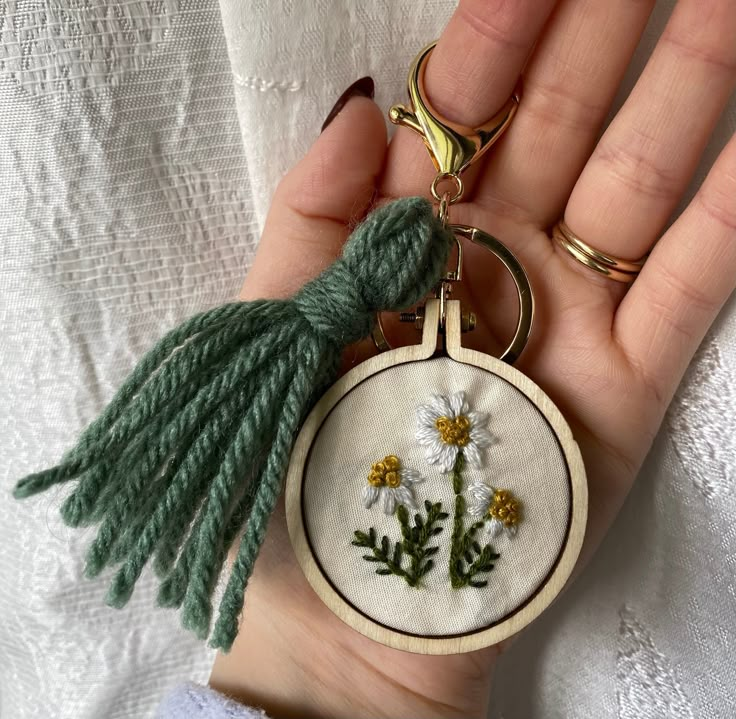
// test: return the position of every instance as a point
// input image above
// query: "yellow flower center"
(454, 431)
(386, 472)
(505, 507)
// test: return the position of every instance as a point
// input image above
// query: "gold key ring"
(518, 275)
(521, 280)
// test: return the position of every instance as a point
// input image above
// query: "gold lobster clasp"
(452, 146)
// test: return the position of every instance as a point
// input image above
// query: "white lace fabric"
(139, 145)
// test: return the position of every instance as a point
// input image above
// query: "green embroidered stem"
(415, 538)
(218, 400)
(413, 544)
(383, 553)
(457, 474)
(465, 549)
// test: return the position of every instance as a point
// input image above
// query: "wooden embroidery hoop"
(555, 580)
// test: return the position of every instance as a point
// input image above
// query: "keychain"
(436, 499)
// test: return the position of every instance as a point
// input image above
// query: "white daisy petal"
(472, 455)
(370, 495)
(480, 436)
(410, 477)
(405, 496)
(477, 508)
(479, 419)
(441, 405)
(432, 449)
(445, 458)
(427, 415)
(388, 500)
(427, 435)
(511, 531)
(494, 527)
(481, 492)
(435, 448)
(457, 403)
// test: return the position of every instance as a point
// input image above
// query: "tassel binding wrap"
(194, 446)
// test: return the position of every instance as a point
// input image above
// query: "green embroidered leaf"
(478, 584)
(412, 545)
(426, 568)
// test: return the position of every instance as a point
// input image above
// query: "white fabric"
(378, 418)
(125, 204)
(124, 207)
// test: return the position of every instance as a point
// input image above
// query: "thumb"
(318, 202)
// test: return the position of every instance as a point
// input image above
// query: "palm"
(610, 361)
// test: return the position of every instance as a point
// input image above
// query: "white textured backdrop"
(136, 164)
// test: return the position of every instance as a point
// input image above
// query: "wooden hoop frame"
(567, 558)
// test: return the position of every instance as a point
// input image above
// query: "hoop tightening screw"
(416, 318)
(468, 320)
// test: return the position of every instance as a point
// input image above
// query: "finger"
(569, 83)
(317, 203)
(646, 158)
(470, 76)
(684, 283)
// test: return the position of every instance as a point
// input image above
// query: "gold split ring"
(612, 267)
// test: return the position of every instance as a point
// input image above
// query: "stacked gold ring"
(612, 267)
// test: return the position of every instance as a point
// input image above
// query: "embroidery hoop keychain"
(436, 499)
(189, 455)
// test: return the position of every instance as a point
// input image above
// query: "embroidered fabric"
(126, 204)
(378, 418)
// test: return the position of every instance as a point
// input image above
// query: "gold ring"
(612, 267)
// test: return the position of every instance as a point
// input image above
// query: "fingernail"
(360, 88)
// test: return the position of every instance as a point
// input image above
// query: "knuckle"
(688, 46)
(635, 162)
(493, 21)
(718, 205)
(556, 106)
(685, 296)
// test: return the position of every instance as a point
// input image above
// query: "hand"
(610, 359)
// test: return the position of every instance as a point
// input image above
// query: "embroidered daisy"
(446, 427)
(498, 508)
(392, 484)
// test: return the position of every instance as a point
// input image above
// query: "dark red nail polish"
(360, 88)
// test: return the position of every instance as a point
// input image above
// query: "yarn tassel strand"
(216, 404)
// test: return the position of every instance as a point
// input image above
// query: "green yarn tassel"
(195, 444)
